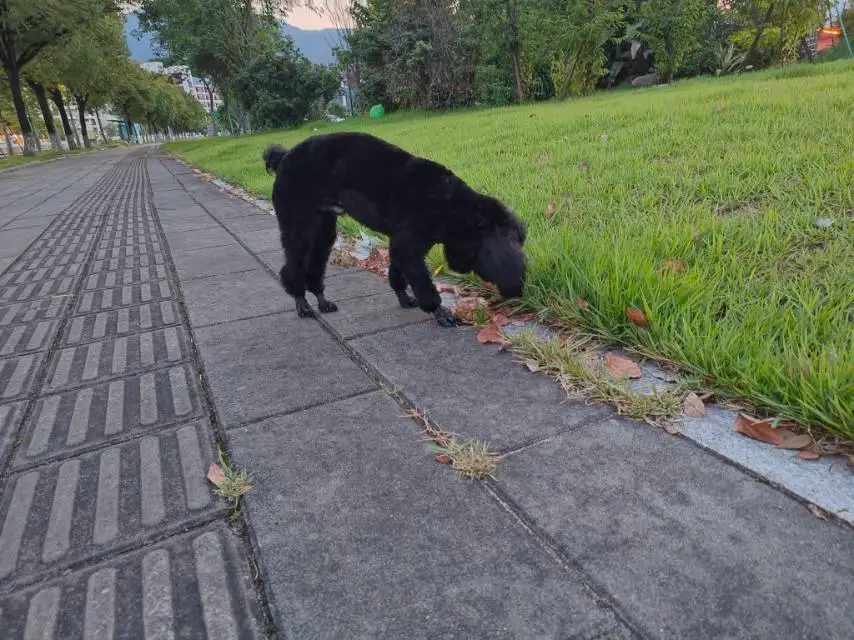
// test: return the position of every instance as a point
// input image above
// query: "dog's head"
(496, 255)
(273, 156)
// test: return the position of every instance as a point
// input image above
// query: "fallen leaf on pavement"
(443, 459)
(817, 512)
(672, 429)
(620, 367)
(795, 441)
(636, 316)
(693, 406)
(216, 475)
(550, 211)
(533, 367)
(757, 429)
(498, 319)
(808, 455)
(490, 334)
(467, 307)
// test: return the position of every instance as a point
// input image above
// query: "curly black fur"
(415, 202)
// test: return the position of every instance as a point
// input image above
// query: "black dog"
(415, 202)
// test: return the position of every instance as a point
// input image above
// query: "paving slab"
(472, 389)
(261, 240)
(26, 338)
(275, 364)
(372, 314)
(124, 296)
(119, 496)
(11, 414)
(361, 535)
(123, 321)
(190, 586)
(211, 238)
(690, 546)
(66, 423)
(234, 296)
(204, 263)
(17, 373)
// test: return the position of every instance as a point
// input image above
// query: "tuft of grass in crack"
(236, 484)
(570, 361)
(471, 459)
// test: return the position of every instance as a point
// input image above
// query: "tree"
(671, 27)
(29, 26)
(282, 88)
(88, 61)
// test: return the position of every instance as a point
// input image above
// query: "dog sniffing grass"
(725, 177)
(416, 203)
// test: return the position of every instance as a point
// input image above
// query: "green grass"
(726, 175)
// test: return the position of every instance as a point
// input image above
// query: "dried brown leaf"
(817, 512)
(548, 214)
(533, 367)
(216, 475)
(581, 302)
(795, 441)
(498, 319)
(443, 458)
(673, 265)
(693, 406)
(808, 455)
(543, 158)
(620, 367)
(672, 429)
(757, 429)
(636, 316)
(490, 334)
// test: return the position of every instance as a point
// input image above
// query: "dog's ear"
(273, 156)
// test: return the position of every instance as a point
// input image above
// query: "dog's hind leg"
(292, 275)
(398, 283)
(409, 255)
(318, 256)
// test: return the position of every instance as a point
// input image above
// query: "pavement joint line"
(238, 525)
(608, 414)
(110, 178)
(69, 454)
(59, 570)
(564, 560)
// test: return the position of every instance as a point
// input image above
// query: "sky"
(305, 19)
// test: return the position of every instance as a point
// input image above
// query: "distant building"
(184, 78)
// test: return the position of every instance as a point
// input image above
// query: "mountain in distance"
(315, 45)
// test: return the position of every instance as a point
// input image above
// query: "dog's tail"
(273, 156)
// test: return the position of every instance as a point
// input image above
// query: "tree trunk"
(81, 110)
(760, 29)
(101, 126)
(56, 96)
(515, 49)
(7, 132)
(30, 137)
(47, 114)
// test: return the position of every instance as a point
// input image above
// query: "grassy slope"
(727, 176)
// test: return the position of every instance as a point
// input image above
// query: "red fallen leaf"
(443, 458)
(542, 158)
(674, 265)
(637, 316)
(817, 512)
(490, 334)
(808, 455)
(758, 429)
(216, 475)
(620, 367)
(795, 441)
(581, 302)
(499, 320)
(550, 211)
(490, 287)
(467, 306)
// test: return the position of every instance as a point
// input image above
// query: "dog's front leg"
(409, 257)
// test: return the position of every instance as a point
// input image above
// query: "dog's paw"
(445, 318)
(327, 307)
(406, 301)
(304, 309)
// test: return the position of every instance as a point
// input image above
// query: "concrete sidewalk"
(141, 323)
